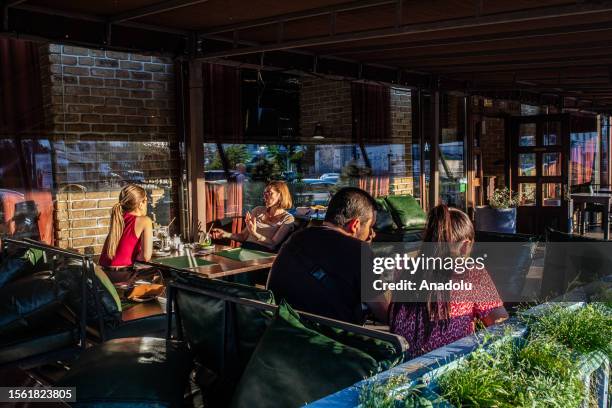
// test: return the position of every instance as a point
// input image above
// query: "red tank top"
(128, 247)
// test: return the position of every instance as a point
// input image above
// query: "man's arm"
(380, 307)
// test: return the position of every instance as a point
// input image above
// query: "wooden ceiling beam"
(553, 32)
(579, 9)
(299, 15)
(156, 8)
(526, 51)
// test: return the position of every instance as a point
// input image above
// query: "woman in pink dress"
(447, 316)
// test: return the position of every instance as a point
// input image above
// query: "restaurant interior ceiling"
(550, 48)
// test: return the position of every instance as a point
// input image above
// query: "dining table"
(216, 261)
(580, 201)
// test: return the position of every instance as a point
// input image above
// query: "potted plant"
(500, 214)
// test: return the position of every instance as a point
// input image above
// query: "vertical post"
(194, 149)
(434, 182)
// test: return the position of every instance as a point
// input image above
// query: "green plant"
(585, 330)
(512, 375)
(504, 198)
(393, 394)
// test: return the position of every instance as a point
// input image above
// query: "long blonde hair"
(129, 199)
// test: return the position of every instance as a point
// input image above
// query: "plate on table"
(159, 253)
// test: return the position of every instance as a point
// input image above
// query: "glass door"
(539, 171)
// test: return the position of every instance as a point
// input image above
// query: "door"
(539, 147)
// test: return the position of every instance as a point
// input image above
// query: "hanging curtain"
(371, 125)
(375, 185)
(222, 104)
(371, 113)
(21, 107)
(223, 124)
(21, 126)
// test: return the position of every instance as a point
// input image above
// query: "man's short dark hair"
(350, 203)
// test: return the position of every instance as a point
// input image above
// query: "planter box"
(594, 367)
(495, 219)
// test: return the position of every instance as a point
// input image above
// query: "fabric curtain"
(21, 107)
(371, 112)
(222, 104)
(375, 185)
(22, 174)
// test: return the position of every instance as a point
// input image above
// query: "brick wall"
(82, 219)
(111, 119)
(329, 102)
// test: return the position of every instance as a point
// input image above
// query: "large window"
(305, 131)
(584, 151)
(451, 164)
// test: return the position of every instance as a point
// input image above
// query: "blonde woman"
(266, 226)
(130, 237)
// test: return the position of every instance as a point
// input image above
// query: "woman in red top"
(130, 237)
(447, 316)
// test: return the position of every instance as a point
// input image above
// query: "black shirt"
(318, 270)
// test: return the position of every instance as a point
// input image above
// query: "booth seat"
(33, 326)
(42, 315)
(399, 218)
(241, 349)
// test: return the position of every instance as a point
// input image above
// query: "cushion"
(406, 211)
(130, 372)
(294, 365)
(384, 220)
(26, 303)
(20, 263)
(384, 352)
(69, 275)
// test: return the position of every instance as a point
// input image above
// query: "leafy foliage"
(392, 394)
(504, 198)
(584, 330)
(509, 375)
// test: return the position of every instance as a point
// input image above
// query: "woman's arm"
(278, 237)
(146, 250)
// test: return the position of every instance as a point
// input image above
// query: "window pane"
(527, 134)
(527, 164)
(451, 161)
(527, 191)
(552, 133)
(551, 164)
(551, 194)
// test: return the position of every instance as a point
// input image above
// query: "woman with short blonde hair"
(266, 226)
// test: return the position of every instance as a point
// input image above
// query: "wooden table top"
(223, 266)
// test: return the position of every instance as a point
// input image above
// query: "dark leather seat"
(58, 334)
(131, 372)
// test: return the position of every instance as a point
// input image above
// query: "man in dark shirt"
(318, 269)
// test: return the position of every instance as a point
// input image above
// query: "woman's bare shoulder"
(144, 221)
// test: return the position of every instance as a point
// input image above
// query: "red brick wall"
(111, 119)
